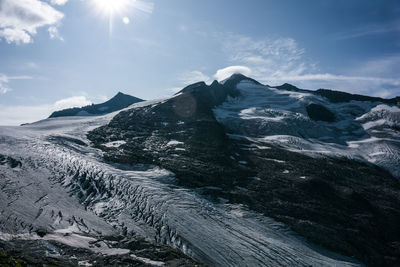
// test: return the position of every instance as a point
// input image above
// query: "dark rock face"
(119, 101)
(344, 205)
(51, 253)
(320, 113)
(9, 161)
(202, 154)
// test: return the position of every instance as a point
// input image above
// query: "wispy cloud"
(4, 82)
(275, 61)
(383, 66)
(332, 77)
(30, 65)
(370, 30)
(18, 114)
(20, 19)
(70, 102)
(267, 56)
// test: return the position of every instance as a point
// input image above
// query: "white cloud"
(70, 102)
(15, 36)
(4, 81)
(3, 84)
(222, 74)
(58, 2)
(20, 19)
(54, 34)
(16, 115)
(4, 89)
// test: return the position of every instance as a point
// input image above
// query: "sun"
(111, 6)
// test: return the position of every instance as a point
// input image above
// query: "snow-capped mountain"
(231, 174)
(309, 122)
(118, 102)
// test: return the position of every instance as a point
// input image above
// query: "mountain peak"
(119, 101)
(120, 94)
(215, 82)
(237, 78)
(287, 86)
(238, 75)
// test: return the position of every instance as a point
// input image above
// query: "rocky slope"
(294, 156)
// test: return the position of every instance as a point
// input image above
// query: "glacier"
(63, 182)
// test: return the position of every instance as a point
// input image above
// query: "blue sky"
(61, 53)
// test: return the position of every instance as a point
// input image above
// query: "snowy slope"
(63, 182)
(362, 130)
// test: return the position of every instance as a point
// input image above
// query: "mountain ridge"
(118, 102)
(336, 96)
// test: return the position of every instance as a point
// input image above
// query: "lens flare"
(125, 20)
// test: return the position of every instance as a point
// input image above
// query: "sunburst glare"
(111, 6)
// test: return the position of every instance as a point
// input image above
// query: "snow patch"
(115, 143)
(148, 261)
(174, 143)
(84, 263)
(275, 160)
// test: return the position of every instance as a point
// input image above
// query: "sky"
(56, 54)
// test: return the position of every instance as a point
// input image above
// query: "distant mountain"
(340, 97)
(118, 102)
